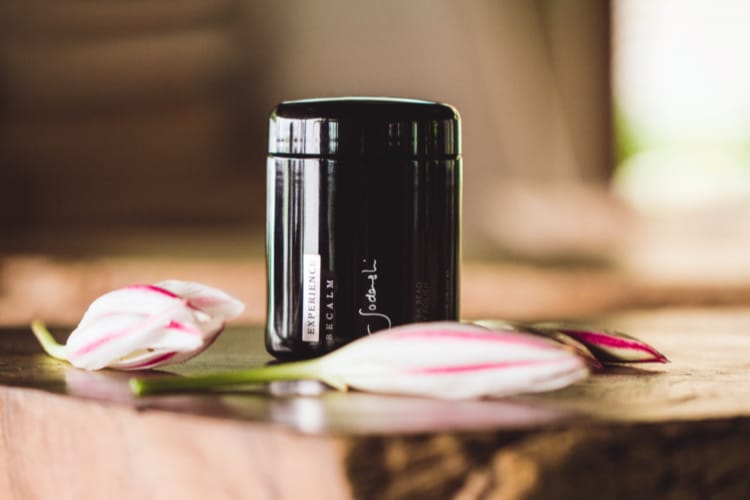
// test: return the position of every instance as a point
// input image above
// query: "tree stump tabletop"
(680, 430)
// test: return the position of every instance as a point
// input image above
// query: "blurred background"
(606, 143)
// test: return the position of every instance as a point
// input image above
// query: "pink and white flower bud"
(143, 326)
(608, 346)
(452, 360)
(447, 360)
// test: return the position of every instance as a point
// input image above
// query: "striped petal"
(101, 342)
(144, 360)
(446, 360)
(424, 344)
(134, 299)
(211, 300)
(608, 346)
(560, 337)
(143, 326)
(452, 360)
(170, 346)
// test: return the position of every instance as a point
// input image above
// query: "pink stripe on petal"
(487, 336)
(207, 342)
(91, 346)
(152, 288)
(604, 340)
(173, 325)
(184, 328)
(212, 301)
(438, 370)
(147, 323)
(206, 301)
(152, 362)
(161, 291)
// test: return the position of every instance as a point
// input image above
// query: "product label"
(311, 298)
(329, 306)
(374, 319)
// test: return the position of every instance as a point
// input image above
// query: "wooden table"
(680, 430)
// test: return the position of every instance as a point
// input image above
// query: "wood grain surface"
(669, 431)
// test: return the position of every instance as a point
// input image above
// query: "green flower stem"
(48, 342)
(300, 370)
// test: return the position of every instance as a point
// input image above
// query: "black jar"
(363, 213)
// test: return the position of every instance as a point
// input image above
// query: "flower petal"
(141, 326)
(609, 346)
(134, 299)
(441, 360)
(453, 360)
(211, 300)
(165, 347)
(145, 360)
(181, 334)
(102, 341)
(114, 337)
(496, 380)
(579, 347)
(430, 344)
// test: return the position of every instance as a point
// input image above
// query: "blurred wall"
(154, 112)
(127, 113)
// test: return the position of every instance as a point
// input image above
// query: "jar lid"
(364, 126)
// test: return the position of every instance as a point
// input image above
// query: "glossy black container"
(363, 213)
